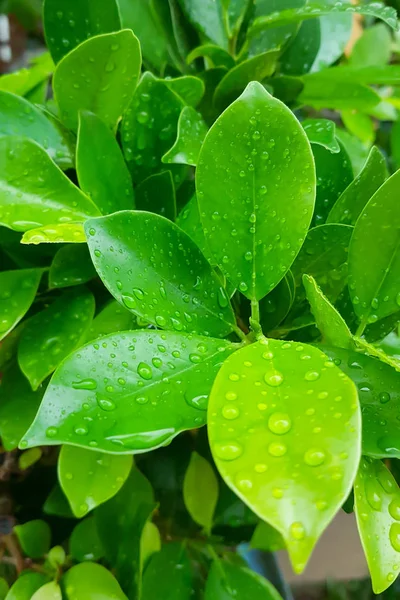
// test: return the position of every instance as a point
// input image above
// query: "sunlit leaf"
(89, 581)
(56, 233)
(322, 132)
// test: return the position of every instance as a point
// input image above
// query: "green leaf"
(18, 291)
(134, 391)
(336, 95)
(21, 118)
(267, 538)
(33, 190)
(108, 67)
(29, 458)
(102, 172)
(304, 448)
(71, 266)
(189, 220)
(137, 268)
(191, 133)
(9, 345)
(68, 23)
(34, 538)
(90, 478)
(190, 89)
(236, 11)
(278, 163)
(372, 48)
(89, 581)
(256, 68)
(315, 9)
(375, 250)
(331, 324)
(275, 306)
(3, 588)
(360, 124)
(336, 31)
(373, 75)
(299, 56)
(352, 201)
(57, 504)
(277, 37)
(56, 557)
(53, 333)
(377, 508)
(229, 581)
(355, 149)
(26, 585)
(149, 126)
(49, 591)
(208, 18)
(169, 574)
(150, 542)
(84, 543)
(21, 82)
(56, 233)
(322, 132)
(111, 319)
(200, 491)
(156, 194)
(214, 54)
(378, 390)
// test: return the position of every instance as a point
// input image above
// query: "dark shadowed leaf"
(18, 290)
(156, 194)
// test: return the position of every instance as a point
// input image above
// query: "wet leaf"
(275, 306)
(53, 333)
(71, 266)
(49, 591)
(191, 133)
(243, 242)
(26, 585)
(102, 172)
(84, 543)
(67, 24)
(18, 117)
(377, 508)
(208, 18)
(108, 66)
(215, 54)
(352, 201)
(111, 319)
(89, 581)
(34, 538)
(276, 37)
(322, 132)
(200, 491)
(132, 254)
(189, 88)
(130, 399)
(169, 574)
(374, 249)
(189, 220)
(229, 581)
(156, 194)
(304, 446)
(9, 345)
(56, 233)
(18, 291)
(90, 478)
(33, 190)
(336, 31)
(299, 56)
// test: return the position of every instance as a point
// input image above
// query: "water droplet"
(311, 376)
(200, 402)
(231, 396)
(85, 384)
(222, 298)
(372, 493)
(297, 531)
(81, 430)
(279, 423)
(273, 378)
(161, 321)
(314, 457)
(394, 508)
(229, 450)
(129, 301)
(105, 403)
(234, 377)
(195, 358)
(144, 371)
(277, 493)
(384, 397)
(394, 536)
(260, 468)
(230, 412)
(51, 432)
(277, 449)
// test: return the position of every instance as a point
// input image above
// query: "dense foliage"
(199, 296)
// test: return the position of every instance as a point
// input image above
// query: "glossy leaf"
(90, 478)
(21, 118)
(111, 319)
(191, 133)
(267, 538)
(374, 249)
(84, 543)
(215, 54)
(322, 132)
(132, 262)
(169, 574)
(244, 243)
(89, 581)
(129, 399)
(33, 191)
(189, 88)
(18, 290)
(52, 334)
(378, 389)
(277, 37)
(24, 80)
(26, 585)
(351, 203)
(55, 233)
(331, 324)
(276, 305)
(68, 23)
(57, 504)
(355, 149)
(102, 172)
(4, 587)
(156, 194)
(299, 55)
(373, 75)
(71, 266)
(49, 591)
(189, 220)
(256, 68)
(34, 538)
(304, 448)
(200, 491)
(108, 66)
(336, 30)
(207, 16)
(337, 95)
(372, 48)
(150, 542)
(360, 125)
(377, 508)
(229, 581)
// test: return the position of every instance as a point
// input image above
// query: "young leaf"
(102, 172)
(169, 574)
(89, 581)
(336, 30)
(253, 179)
(275, 306)
(84, 543)
(111, 319)
(129, 398)
(71, 266)
(229, 581)
(190, 89)
(56, 233)
(200, 491)
(351, 203)
(267, 538)
(34, 538)
(191, 133)
(67, 23)
(330, 323)
(100, 76)
(374, 250)
(90, 478)
(208, 18)
(215, 54)
(156, 194)
(150, 542)
(24, 80)
(21, 118)
(372, 48)
(52, 334)
(18, 290)
(297, 467)
(50, 591)
(33, 190)
(155, 270)
(26, 585)
(377, 508)
(322, 132)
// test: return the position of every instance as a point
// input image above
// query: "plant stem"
(361, 328)
(255, 311)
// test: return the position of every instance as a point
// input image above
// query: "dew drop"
(394, 509)
(394, 536)
(230, 412)
(144, 371)
(279, 423)
(51, 432)
(229, 450)
(297, 531)
(105, 403)
(314, 457)
(200, 402)
(277, 449)
(273, 378)
(311, 376)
